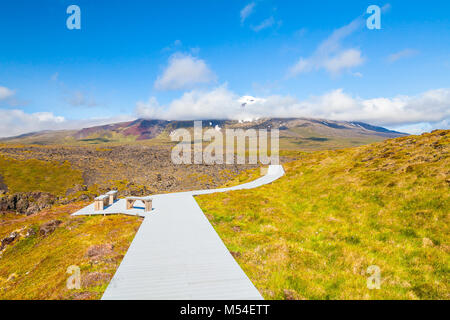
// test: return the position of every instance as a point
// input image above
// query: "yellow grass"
(313, 233)
(36, 267)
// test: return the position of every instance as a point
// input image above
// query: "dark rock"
(45, 200)
(8, 240)
(7, 203)
(22, 202)
(83, 197)
(76, 188)
(49, 227)
(64, 201)
(289, 294)
(235, 254)
(32, 210)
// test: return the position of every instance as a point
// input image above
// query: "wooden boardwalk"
(176, 253)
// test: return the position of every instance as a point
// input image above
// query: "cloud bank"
(413, 114)
(6, 93)
(432, 107)
(15, 122)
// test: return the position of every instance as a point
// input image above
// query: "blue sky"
(197, 59)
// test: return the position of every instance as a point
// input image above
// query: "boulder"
(32, 209)
(30, 232)
(83, 197)
(290, 294)
(49, 227)
(8, 240)
(22, 203)
(76, 188)
(235, 254)
(44, 200)
(27, 202)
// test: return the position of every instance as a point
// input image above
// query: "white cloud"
(247, 11)
(149, 109)
(432, 107)
(344, 60)
(413, 114)
(6, 93)
(401, 54)
(264, 24)
(184, 72)
(196, 104)
(329, 55)
(15, 122)
(418, 128)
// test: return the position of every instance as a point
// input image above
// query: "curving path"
(177, 254)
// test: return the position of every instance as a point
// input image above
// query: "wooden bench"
(100, 202)
(146, 200)
(112, 196)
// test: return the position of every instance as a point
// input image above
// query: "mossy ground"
(36, 267)
(36, 175)
(313, 233)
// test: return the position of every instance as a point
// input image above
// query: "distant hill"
(295, 133)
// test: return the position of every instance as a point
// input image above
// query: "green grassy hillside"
(35, 175)
(313, 233)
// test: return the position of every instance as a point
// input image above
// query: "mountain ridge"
(148, 129)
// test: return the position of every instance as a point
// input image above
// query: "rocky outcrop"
(75, 189)
(114, 167)
(27, 202)
(8, 240)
